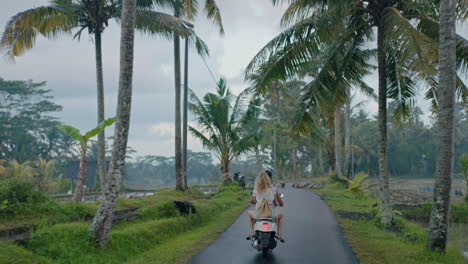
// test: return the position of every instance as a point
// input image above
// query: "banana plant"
(76, 135)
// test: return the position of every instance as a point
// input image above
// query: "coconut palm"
(439, 221)
(186, 9)
(224, 120)
(83, 139)
(62, 17)
(406, 53)
(102, 221)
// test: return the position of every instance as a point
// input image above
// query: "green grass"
(55, 212)
(13, 254)
(373, 243)
(160, 231)
(183, 247)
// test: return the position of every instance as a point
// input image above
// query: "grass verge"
(160, 233)
(374, 243)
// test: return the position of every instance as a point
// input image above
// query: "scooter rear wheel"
(264, 252)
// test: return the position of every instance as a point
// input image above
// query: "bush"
(333, 176)
(59, 185)
(355, 185)
(20, 197)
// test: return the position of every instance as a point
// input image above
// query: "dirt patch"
(14, 234)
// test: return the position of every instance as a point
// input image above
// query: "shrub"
(355, 185)
(333, 176)
(20, 197)
(59, 185)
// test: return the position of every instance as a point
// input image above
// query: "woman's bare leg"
(251, 220)
(280, 220)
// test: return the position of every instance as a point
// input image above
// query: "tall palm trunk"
(102, 221)
(385, 214)
(347, 144)
(331, 160)
(338, 145)
(101, 155)
(320, 161)
(258, 159)
(80, 180)
(178, 146)
(225, 163)
(439, 221)
(294, 162)
(184, 132)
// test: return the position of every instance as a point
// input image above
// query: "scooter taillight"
(266, 226)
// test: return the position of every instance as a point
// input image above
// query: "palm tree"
(406, 52)
(62, 17)
(75, 134)
(102, 221)
(224, 121)
(439, 221)
(186, 9)
(338, 116)
(347, 145)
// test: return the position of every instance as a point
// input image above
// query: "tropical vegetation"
(222, 119)
(299, 117)
(83, 139)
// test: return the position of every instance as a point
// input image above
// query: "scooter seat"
(269, 219)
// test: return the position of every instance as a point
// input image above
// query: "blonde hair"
(264, 210)
(263, 182)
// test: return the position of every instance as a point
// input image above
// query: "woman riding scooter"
(265, 198)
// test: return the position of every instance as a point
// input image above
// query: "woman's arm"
(278, 200)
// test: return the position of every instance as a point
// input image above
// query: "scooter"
(264, 239)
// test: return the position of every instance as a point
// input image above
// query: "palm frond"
(293, 47)
(415, 46)
(430, 28)
(213, 13)
(22, 29)
(161, 24)
(190, 8)
(200, 46)
(300, 9)
(201, 113)
(205, 141)
(400, 85)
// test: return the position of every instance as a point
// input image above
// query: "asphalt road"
(311, 232)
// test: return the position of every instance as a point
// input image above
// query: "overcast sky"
(68, 66)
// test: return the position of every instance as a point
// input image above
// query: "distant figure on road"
(265, 198)
(236, 177)
(242, 181)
